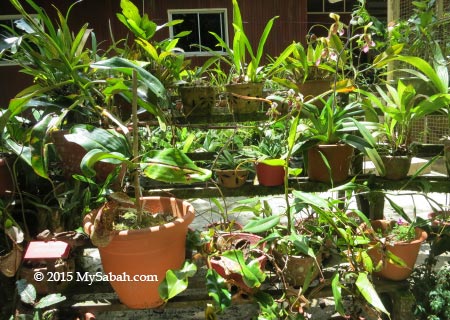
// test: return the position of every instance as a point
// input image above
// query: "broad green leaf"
(261, 225)
(218, 289)
(26, 291)
(93, 156)
(176, 281)
(251, 273)
(50, 300)
(392, 258)
(172, 165)
(369, 293)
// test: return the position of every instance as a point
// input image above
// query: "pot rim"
(88, 222)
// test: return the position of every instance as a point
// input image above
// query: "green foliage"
(244, 70)
(402, 106)
(218, 290)
(431, 289)
(28, 295)
(164, 59)
(176, 281)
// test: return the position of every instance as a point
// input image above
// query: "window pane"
(315, 5)
(190, 23)
(211, 22)
(334, 7)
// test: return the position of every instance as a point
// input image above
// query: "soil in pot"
(145, 254)
(339, 157)
(407, 251)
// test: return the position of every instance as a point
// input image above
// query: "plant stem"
(137, 186)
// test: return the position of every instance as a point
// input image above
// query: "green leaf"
(251, 273)
(26, 291)
(218, 289)
(261, 225)
(369, 293)
(176, 281)
(336, 289)
(172, 165)
(50, 300)
(93, 156)
(39, 145)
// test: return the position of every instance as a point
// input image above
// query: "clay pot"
(239, 103)
(296, 268)
(71, 155)
(197, 100)
(396, 167)
(224, 266)
(232, 178)
(339, 157)
(407, 251)
(148, 252)
(269, 176)
(313, 88)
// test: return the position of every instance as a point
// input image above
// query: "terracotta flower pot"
(71, 155)
(396, 167)
(339, 157)
(407, 251)
(296, 268)
(146, 253)
(313, 88)
(225, 267)
(269, 176)
(231, 178)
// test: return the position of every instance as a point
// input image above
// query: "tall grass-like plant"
(244, 60)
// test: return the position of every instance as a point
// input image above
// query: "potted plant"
(143, 246)
(400, 107)
(162, 58)
(329, 137)
(196, 92)
(232, 170)
(395, 247)
(246, 77)
(267, 155)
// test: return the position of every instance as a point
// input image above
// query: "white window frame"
(12, 17)
(223, 11)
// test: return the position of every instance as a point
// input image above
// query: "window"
(325, 6)
(8, 22)
(200, 22)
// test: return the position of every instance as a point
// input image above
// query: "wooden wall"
(101, 16)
